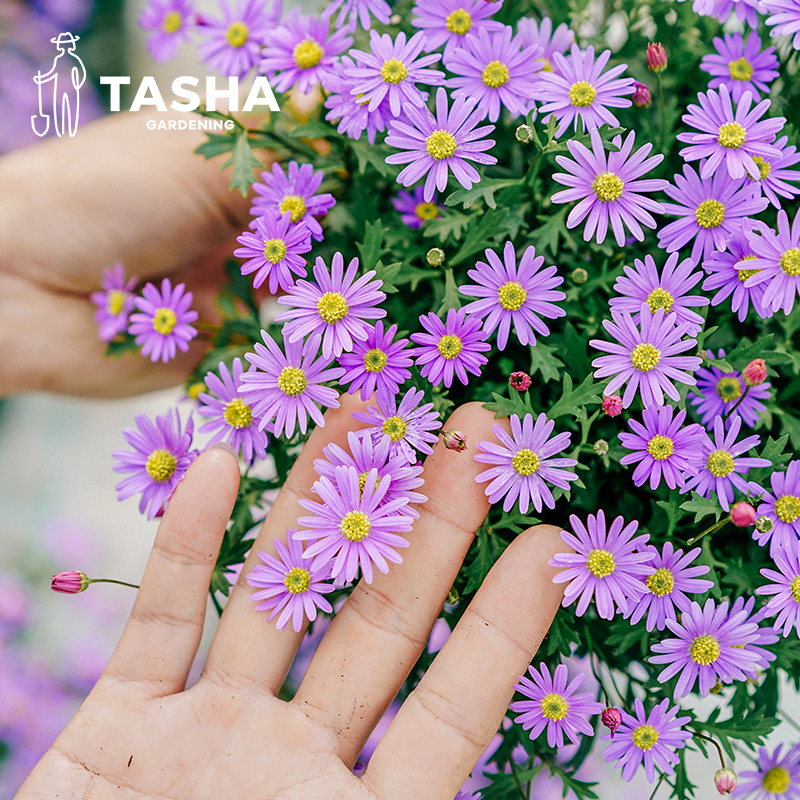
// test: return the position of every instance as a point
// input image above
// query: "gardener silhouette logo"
(67, 79)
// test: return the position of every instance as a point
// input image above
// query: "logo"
(65, 106)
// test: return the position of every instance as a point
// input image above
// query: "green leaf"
(451, 224)
(373, 155)
(790, 425)
(485, 189)
(244, 162)
(553, 227)
(577, 346)
(479, 234)
(124, 343)
(315, 130)
(516, 521)
(216, 144)
(702, 507)
(371, 249)
(388, 275)
(518, 403)
(671, 510)
(745, 351)
(451, 298)
(413, 275)
(543, 360)
(572, 400)
(750, 729)
(487, 547)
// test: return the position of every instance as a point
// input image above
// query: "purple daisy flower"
(376, 365)
(233, 44)
(764, 635)
(407, 425)
(777, 262)
(651, 739)
(162, 326)
(287, 387)
(785, 587)
(727, 136)
(391, 71)
(782, 506)
(661, 446)
(496, 70)
(647, 360)
(776, 778)
(578, 89)
(335, 307)
(158, 462)
(353, 11)
(295, 192)
(523, 461)
(708, 645)
(784, 19)
(287, 587)
(542, 34)
(555, 705)
(774, 173)
(717, 464)
(114, 303)
(508, 293)
(711, 210)
(731, 282)
(720, 389)
(413, 209)
(609, 188)
(666, 588)
(449, 22)
(275, 250)
(608, 566)
(366, 456)
(454, 346)
(231, 419)
(171, 23)
(642, 284)
(436, 145)
(741, 66)
(301, 50)
(746, 10)
(354, 525)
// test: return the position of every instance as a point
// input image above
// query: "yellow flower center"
(764, 167)
(794, 587)
(307, 54)
(554, 707)
(395, 428)
(374, 360)
(790, 261)
(194, 390)
(172, 22)
(237, 34)
(660, 298)
(704, 650)
(607, 186)
(731, 135)
(581, 94)
(292, 381)
(362, 482)
(237, 414)
(709, 214)
(332, 307)
(787, 508)
(274, 250)
(720, 463)
(644, 357)
(741, 69)
(115, 301)
(164, 320)
(393, 71)
(440, 144)
(426, 211)
(777, 780)
(295, 204)
(355, 526)
(297, 580)
(660, 447)
(645, 737)
(495, 74)
(160, 465)
(601, 563)
(512, 296)
(744, 274)
(449, 346)
(525, 462)
(729, 389)
(459, 22)
(661, 582)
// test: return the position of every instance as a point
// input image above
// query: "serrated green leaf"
(479, 234)
(315, 130)
(244, 162)
(702, 507)
(544, 362)
(216, 144)
(451, 224)
(572, 400)
(553, 228)
(487, 548)
(373, 155)
(413, 275)
(751, 729)
(745, 351)
(485, 190)
(518, 403)
(451, 297)
(388, 274)
(371, 249)
(790, 425)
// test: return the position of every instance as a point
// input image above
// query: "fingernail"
(226, 447)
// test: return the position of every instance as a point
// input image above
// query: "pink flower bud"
(612, 719)
(455, 440)
(755, 373)
(70, 582)
(725, 780)
(612, 405)
(743, 515)
(520, 381)
(656, 57)
(641, 95)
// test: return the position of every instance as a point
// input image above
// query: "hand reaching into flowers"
(139, 734)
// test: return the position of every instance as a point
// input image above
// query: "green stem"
(788, 719)
(216, 603)
(662, 112)
(738, 403)
(516, 779)
(658, 785)
(712, 529)
(715, 743)
(111, 580)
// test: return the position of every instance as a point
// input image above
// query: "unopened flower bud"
(520, 381)
(435, 256)
(755, 373)
(524, 134)
(656, 57)
(764, 524)
(71, 582)
(725, 780)
(395, 19)
(743, 515)
(641, 95)
(612, 405)
(579, 276)
(600, 447)
(612, 719)
(455, 440)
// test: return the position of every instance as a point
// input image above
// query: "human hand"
(140, 735)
